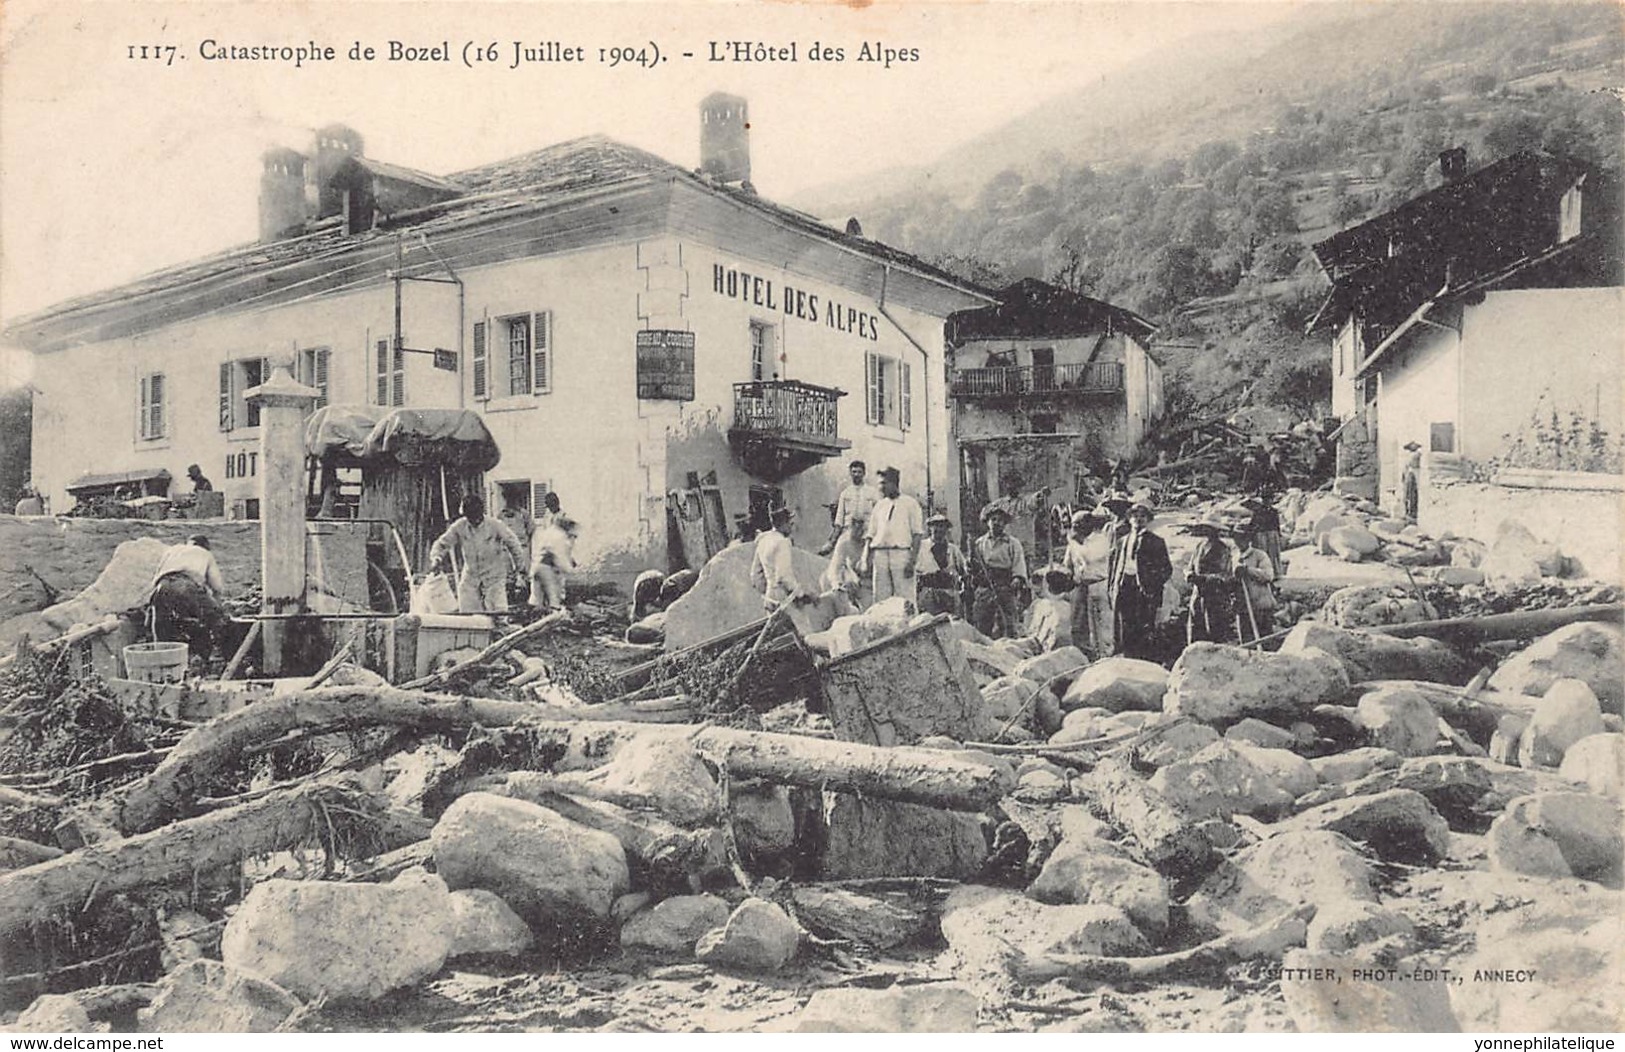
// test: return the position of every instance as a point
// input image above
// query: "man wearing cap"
(1411, 480)
(186, 590)
(772, 569)
(1211, 575)
(942, 569)
(486, 547)
(895, 528)
(1001, 563)
(1139, 569)
(1087, 558)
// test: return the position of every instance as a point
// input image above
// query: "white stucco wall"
(1420, 387)
(1345, 361)
(1546, 348)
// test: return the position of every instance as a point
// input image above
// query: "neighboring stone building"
(1048, 387)
(1462, 315)
(664, 348)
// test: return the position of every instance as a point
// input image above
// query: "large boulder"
(1010, 698)
(1257, 732)
(988, 662)
(1117, 684)
(484, 925)
(1219, 781)
(208, 997)
(877, 921)
(757, 937)
(1085, 872)
(1374, 605)
(1592, 651)
(1370, 655)
(1399, 719)
(1350, 543)
(55, 1014)
(666, 772)
(1324, 994)
(724, 599)
(1559, 835)
(553, 872)
(1566, 713)
(884, 838)
(1596, 762)
(674, 925)
(1345, 926)
(1220, 684)
(764, 820)
(1291, 869)
(1517, 557)
(1179, 740)
(1398, 825)
(1283, 767)
(927, 1008)
(1054, 664)
(1351, 766)
(987, 926)
(346, 942)
(1555, 964)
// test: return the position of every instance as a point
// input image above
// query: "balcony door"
(1043, 368)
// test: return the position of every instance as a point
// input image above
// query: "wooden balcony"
(1028, 381)
(783, 427)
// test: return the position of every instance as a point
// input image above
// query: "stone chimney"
(282, 194)
(725, 138)
(335, 144)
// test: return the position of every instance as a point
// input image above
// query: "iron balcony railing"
(1091, 378)
(787, 409)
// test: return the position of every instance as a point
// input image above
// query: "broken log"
(1168, 837)
(241, 652)
(325, 673)
(10, 797)
(501, 646)
(1523, 624)
(1268, 940)
(669, 853)
(16, 853)
(911, 775)
(105, 625)
(176, 852)
(530, 785)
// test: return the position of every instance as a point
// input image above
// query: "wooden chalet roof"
(1038, 310)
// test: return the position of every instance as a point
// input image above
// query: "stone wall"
(69, 553)
(1579, 513)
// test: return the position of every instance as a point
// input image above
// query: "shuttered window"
(905, 397)
(527, 351)
(875, 402)
(236, 378)
(482, 386)
(389, 375)
(538, 498)
(313, 368)
(542, 359)
(151, 422)
(228, 383)
(890, 385)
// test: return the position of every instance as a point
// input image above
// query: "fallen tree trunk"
(669, 853)
(17, 854)
(105, 625)
(920, 776)
(352, 818)
(532, 785)
(1524, 624)
(1168, 837)
(10, 797)
(1267, 940)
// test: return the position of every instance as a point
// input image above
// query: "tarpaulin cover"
(456, 438)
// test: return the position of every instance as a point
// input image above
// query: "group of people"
(535, 553)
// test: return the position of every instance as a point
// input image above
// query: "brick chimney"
(335, 144)
(725, 138)
(282, 194)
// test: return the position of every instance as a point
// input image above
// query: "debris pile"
(1030, 841)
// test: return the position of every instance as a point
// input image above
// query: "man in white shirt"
(772, 570)
(895, 529)
(186, 591)
(852, 509)
(486, 547)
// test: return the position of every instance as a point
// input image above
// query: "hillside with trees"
(1193, 197)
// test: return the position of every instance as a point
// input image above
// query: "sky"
(112, 165)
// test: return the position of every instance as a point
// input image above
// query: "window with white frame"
(513, 355)
(236, 377)
(313, 371)
(890, 387)
(388, 373)
(763, 364)
(151, 420)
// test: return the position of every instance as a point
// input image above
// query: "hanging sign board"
(666, 365)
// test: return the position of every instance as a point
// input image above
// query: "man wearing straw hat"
(942, 569)
(1139, 569)
(1001, 563)
(1211, 575)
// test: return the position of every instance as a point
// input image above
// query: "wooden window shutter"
(397, 389)
(905, 395)
(227, 376)
(871, 403)
(321, 363)
(541, 346)
(155, 405)
(144, 411)
(381, 372)
(482, 386)
(538, 497)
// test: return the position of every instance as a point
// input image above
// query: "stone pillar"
(283, 402)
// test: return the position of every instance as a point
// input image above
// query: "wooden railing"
(787, 409)
(1095, 377)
